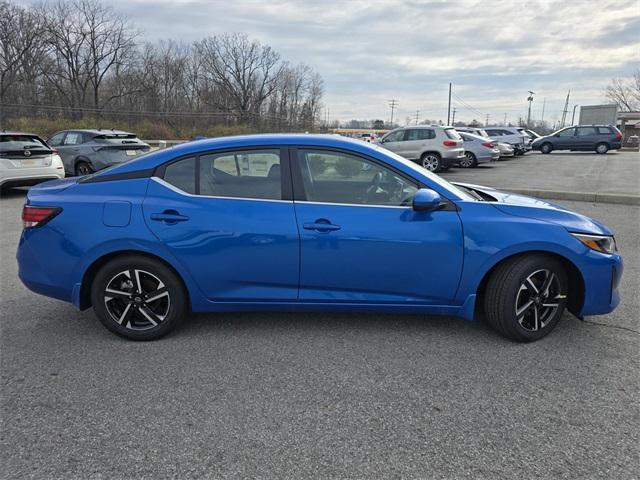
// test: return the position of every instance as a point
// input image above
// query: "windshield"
(460, 193)
(20, 142)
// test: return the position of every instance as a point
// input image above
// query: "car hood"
(529, 207)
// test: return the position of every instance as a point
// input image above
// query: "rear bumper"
(38, 175)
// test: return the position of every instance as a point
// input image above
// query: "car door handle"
(169, 216)
(321, 225)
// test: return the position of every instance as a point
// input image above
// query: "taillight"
(618, 136)
(450, 143)
(37, 216)
(488, 145)
(54, 151)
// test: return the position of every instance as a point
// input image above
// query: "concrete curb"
(594, 197)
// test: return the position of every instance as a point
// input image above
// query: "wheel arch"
(426, 152)
(576, 294)
(98, 263)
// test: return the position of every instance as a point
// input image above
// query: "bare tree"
(625, 92)
(20, 39)
(246, 71)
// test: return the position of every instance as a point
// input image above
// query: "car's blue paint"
(426, 199)
(240, 254)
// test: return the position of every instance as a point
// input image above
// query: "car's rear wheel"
(602, 148)
(431, 161)
(469, 160)
(83, 168)
(138, 298)
(526, 297)
(546, 148)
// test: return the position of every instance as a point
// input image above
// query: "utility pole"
(417, 116)
(393, 103)
(565, 110)
(453, 117)
(505, 120)
(544, 103)
(449, 107)
(486, 123)
(573, 115)
(530, 100)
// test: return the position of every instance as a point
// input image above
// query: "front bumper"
(601, 275)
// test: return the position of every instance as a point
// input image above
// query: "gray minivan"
(599, 138)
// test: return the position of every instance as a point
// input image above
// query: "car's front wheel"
(526, 296)
(138, 298)
(546, 148)
(431, 161)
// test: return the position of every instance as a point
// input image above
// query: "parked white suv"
(26, 159)
(434, 147)
(515, 136)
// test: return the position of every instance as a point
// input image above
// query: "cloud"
(493, 51)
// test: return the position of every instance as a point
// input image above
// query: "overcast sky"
(368, 52)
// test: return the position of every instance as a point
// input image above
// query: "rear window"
(451, 133)
(20, 142)
(117, 138)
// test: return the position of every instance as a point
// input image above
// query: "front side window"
(397, 136)
(569, 132)
(56, 140)
(336, 177)
(73, 138)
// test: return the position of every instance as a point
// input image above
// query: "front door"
(395, 141)
(228, 218)
(362, 243)
(565, 139)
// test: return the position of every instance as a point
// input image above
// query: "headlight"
(599, 243)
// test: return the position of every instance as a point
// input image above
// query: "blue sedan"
(307, 222)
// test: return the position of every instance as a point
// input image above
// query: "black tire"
(546, 148)
(602, 148)
(505, 294)
(143, 318)
(469, 161)
(83, 168)
(431, 161)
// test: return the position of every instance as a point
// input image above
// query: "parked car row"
(27, 159)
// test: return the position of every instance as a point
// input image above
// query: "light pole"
(573, 115)
(530, 100)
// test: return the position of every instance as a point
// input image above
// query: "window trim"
(286, 189)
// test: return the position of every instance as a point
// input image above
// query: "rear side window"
(452, 134)
(584, 131)
(242, 174)
(421, 134)
(604, 130)
(182, 174)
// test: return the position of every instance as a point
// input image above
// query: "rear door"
(228, 218)
(586, 138)
(362, 243)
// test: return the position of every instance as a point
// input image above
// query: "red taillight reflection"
(450, 143)
(37, 216)
(489, 145)
(618, 136)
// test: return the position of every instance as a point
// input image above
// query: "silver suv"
(434, 147)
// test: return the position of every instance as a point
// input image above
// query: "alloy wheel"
(137, 300)
(467, 161)
(431, 162)
(83, 169)
(538, 299)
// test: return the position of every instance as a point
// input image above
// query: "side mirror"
(426, 200)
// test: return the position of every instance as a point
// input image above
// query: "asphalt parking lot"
(318, 395)
(616, 173)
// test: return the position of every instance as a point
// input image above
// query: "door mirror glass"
(426, 200)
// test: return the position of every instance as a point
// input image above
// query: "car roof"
(19, 133)
(474, 136)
